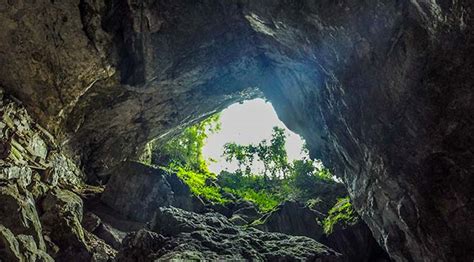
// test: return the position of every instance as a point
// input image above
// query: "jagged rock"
(187, 235)
(113, 237)
(293, 218)
(20, 248)
(37, 187)
(141, 246)
(63, 171)
(136, 191)
(9, 247)
(19, 213)
(182, 196)
(101, 251)
(238, 220)
(246, 209)
(355, 243)
(62, 221)
(30, 251)
(22, 174)
(110, 235)
(245, 214)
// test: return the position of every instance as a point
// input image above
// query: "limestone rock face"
(19, 213)
(186, 235)
(381, 91)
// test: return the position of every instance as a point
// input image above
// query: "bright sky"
(249, 122)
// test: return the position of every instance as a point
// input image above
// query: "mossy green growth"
(342, 213)
(197, 182)
(264, 200)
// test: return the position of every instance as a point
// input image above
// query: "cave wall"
(380, 90)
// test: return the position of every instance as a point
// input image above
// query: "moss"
(197, 183)
(264, 200)
(342, 214)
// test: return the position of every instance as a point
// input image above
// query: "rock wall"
(41, 210)
(381, 91)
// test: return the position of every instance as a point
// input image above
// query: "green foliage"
(342, 213)
(186, 149)
(253, 188)
(273, 155)
(183, 155)
(197, 182)
(279, 181)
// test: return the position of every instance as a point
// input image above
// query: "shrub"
(341, 213)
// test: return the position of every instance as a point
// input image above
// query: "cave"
(380, 90)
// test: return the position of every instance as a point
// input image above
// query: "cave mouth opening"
(246, 151)
(244, 123)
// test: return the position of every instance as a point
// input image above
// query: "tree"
(185, 150)
(272, 155)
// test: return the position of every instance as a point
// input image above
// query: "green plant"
(341, 213)
(264, 200)
(197, 182)
(185, 150)
(272, 155)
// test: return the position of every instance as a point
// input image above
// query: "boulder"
(293, 218)
(184, 235)
(136, 191)
(101, 251)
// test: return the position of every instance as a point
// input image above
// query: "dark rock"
(19, 213)
(9, 247)
(185, 235)
(110, 235)
(101, 252)
(355, 243)
(91, 221)
(30, 251)
(20, 248)
(136, 191)
(182, 196)
(61, 218)
(293, 218)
